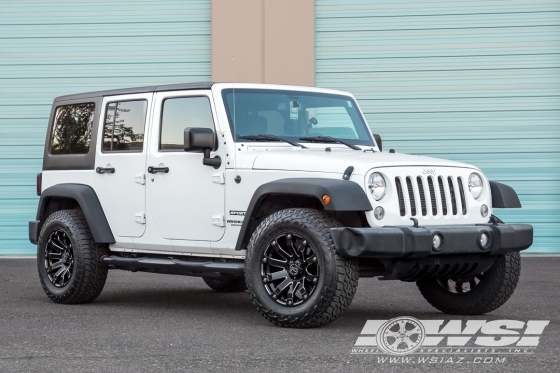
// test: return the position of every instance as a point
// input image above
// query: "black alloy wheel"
(59, 258)
(290, 270)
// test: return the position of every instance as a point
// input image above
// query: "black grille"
(448, 205)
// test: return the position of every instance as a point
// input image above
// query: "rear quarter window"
(72, 127)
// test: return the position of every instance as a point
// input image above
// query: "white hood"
(335, 161)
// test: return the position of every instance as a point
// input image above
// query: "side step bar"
(176, 267)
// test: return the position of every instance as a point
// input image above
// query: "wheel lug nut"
(274, 296)
(314, 258)
(289, 303)
(289, 237)
(305, 296)
(265, 280)
(273, 243)
(315, 279)
(264, 260)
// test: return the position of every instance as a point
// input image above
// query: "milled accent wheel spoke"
(290, 295)
(55, 266)
(52, 245)
(59, 272)
(53, 256)
(278, 275)
(290, 245)
(402, 326)
(61, 242)
(281, 251)
(283, 285)
(277, 263)
(390, 333)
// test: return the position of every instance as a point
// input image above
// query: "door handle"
(102, 170)
(155, 170)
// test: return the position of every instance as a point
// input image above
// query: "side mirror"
(202, 140)
(378, 141)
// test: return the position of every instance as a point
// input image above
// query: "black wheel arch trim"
(87, 199)
(345, 196)
(503, 196)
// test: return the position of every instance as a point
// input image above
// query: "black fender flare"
(86, 197)
(345, 196)
(504, 196)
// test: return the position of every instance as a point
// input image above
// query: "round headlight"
(475, 185)
(376, 185)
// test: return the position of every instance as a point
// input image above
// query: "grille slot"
(432, 195)
(411, 197)
(442, 194)
(422, 196)
(452, 195)
(400, 195)
(462, 194)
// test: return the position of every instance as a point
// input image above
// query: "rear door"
(120, 162)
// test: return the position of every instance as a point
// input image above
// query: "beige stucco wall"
(271, 41)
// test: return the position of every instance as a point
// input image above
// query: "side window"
(124, 126)
(180, 113)
(71, 132)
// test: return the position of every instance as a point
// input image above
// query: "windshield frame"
(369, 142)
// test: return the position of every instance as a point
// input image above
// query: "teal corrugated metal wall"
(52, 48)
(473, 81)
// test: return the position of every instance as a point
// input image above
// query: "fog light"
(379, 212)
(437, 242)
(484, 211)
(484, 240)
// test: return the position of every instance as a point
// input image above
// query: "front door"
(121, 163)
(186, 198)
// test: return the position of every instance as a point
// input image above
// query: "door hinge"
(219, 220)
(140, 218)
(140, 178)
(219, 178)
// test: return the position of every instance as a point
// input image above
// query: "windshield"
(294, 114)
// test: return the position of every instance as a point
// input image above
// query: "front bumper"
(416, 242)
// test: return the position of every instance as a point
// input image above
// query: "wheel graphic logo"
(401, 336)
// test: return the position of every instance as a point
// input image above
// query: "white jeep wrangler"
(280, 190)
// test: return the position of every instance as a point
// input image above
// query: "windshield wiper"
(329, 140)
(270, 138)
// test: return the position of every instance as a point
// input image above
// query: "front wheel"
(293, 273)
(477, 294)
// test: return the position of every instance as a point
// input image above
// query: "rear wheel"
(69, 260)
(226, 286)
(293, 273)
(476, 294)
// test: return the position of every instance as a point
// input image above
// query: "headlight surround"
(475, 185)
(377, 185)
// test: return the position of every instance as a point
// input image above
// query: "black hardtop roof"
(125, 91)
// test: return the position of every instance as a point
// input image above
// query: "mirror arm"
(215, 162)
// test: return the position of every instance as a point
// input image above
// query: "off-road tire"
(338, 278)
(89, 274)
(226, 286)
(495, 288)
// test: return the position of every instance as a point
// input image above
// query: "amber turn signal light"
(326, 199)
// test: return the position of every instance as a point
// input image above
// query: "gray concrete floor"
(148, 323)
